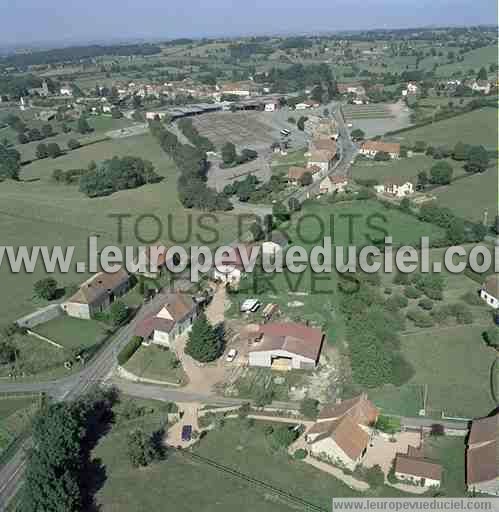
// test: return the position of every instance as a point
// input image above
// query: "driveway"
(382, 451)
(189, 413)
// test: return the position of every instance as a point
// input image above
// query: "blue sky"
(25, 21)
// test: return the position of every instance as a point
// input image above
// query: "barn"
(286, 346)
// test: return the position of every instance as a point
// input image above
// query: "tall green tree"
(10, 162)
(482, 74)
(205, 344)
(441, 173)
(478, 160)
(46, 288)
(229, 154)
(460, 151)
(82, 126)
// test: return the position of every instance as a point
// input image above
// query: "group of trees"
(230, 157)
(52, 150)
(187, 127)
(59, 465)
(143, 449)
(34, 134)
(117, 174)
(10, 162)
(46, 288)
(193, 167)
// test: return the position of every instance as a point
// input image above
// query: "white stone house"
(396, 187)
(331, 184)
(371, 148)
(413, 467)
(490, 291)
(173, 319)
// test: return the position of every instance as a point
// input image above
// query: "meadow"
(16, 413)
(476, 127)
(37, 211)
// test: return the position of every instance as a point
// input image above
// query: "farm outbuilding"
(286, 346)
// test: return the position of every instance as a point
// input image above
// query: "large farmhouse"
(482, 456)
(342, 431)
(415, 468)
(286, 346)
(96, 294)
(371, 148)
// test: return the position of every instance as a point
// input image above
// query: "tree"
(257, 232)
(53, 150)
(478, 160)
(229, 154)
(280, 212)
(460, 151)
(118, 312)
(47, 130)
(306, 179)
(10, 162)
(65, 128)
(139, 448)
(301, 123)
(317, 93)
(422, 179)
(46, 288)
(419, 146)
(73, 144)
(358, 134)
(491, 337)
(309, 408)
(282, 437)
(482, 74)
(294, 205)
(441, 173)
(205, 343)
(8, 351)
(34, 134)
(82, 126)
(42, 150)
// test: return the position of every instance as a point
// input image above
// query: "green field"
(474, 59)
(155, 363)
(477, 127)
(455, 365)
(40, 212)
(471, 196)
(73, 332)
(186, 485)
(405, 167)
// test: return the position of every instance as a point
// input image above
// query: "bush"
(440, 314)
(419, 318)
(73, 144)
(412, 293)
(401, 278)
(388, 424)
(462, 313)
(46, 288)
(118, 313)
(491, 337)
(396, 302)
(300, 454)
(425, 304)
(309, 408)
(129, 350)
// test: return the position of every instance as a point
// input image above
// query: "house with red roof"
(286, 346)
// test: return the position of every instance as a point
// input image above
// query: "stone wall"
(40, 316)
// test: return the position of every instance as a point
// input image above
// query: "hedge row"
(129, 350)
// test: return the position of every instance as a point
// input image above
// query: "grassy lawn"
(296, 158)
(472, 195)
(477, 127)
(154, 362)
(73, 332)
(450, 452)
(43, 213)
(405, 401)
(186, 485)
(455, 364)
(474, 59)
(405, 167)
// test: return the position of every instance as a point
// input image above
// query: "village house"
(323, 159)
(241, 89)
(66, 90)
(271, 106)
(343, 431)
(277, 243)
(174, 318)
(352, 88)
(154, 261)
(230, 269)
(96, 294)
(417, 469)
(286, 346)
(482, 456)
(410, 89)
(295, 174)
(331, 184)
(307, 104)
(371, 148)
(482, 86)
(322, 144)
(490, 291)
(396, 187)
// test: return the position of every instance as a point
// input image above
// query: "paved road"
(347, 150)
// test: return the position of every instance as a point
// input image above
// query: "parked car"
(186, 433)
(231, 355)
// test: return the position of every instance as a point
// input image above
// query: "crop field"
(477, 127)
(374, 111)
(39, 212)
(243, 129)
(471, 196)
